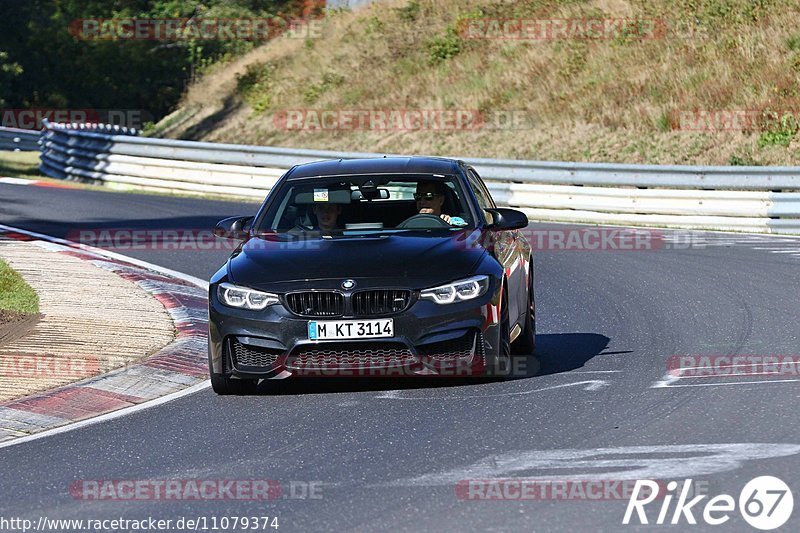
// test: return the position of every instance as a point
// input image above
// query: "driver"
(430, 197)
(327, 216)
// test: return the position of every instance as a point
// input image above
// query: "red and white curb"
(178, 369)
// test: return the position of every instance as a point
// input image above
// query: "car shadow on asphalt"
(555, 353)
(562, 352)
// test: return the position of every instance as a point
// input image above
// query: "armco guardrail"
(758, 199)
(19, 140)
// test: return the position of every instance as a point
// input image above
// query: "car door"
(507, 252)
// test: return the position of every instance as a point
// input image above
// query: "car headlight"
(244, 298)
(465, 289)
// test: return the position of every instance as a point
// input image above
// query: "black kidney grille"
(380, 302)
(316, 303)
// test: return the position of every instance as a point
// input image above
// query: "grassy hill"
(659, 95)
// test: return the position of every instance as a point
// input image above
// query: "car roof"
(377, 165)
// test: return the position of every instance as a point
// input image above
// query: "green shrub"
(254, 85)
(409, 12)
(793, 43)
(329, 80)
(664, 121)
(444, 47)
(745, 160)
(373, 26)
(779, 134)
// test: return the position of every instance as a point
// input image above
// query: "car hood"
(277, 262)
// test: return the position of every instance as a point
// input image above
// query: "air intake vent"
(354, 355)
(461, 347)
(252, 356)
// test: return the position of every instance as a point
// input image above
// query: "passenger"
(327, 216)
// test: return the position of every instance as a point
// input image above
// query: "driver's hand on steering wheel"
(429, 211)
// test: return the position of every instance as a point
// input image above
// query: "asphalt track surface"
(389, 454)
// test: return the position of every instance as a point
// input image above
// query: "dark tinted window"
(384, 206)
(481, 193)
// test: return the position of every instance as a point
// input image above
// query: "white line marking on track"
(765, 381)
(16, 181)
(602, 464)
(669, 379)
(665, 381)
(590, 385)
(778, 373)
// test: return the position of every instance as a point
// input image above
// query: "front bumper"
(429, 339)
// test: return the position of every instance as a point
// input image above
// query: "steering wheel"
(423, 221)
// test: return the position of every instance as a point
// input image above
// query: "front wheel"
(501, 362)
(225, 386)
(525, 344)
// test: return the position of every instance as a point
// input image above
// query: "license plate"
(350, 329)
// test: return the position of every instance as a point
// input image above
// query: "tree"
(43, 65)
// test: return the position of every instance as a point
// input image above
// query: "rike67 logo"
(765, 503)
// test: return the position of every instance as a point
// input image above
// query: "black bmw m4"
(372, 267)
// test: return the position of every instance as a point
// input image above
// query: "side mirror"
(504, 219)
(234, 228)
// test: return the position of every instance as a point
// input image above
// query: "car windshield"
(367, 205)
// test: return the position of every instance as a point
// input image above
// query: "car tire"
(525, 344)
(225, 386)
(501, 363)
(524, 347)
